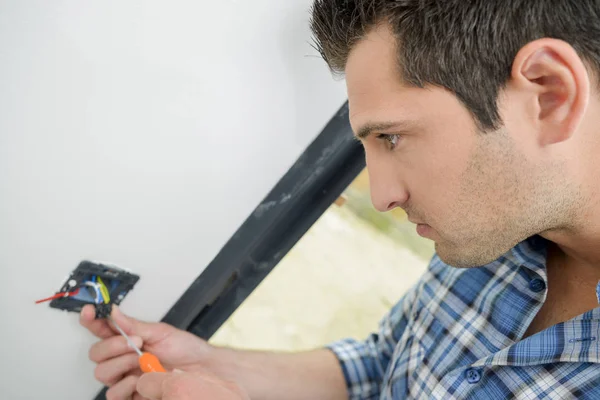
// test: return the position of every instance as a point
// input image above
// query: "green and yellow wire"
(103, 291)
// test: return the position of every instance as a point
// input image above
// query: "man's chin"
(459, 257)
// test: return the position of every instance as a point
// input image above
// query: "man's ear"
(555, 76)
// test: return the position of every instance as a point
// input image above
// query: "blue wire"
(98, 295)
(98, 299)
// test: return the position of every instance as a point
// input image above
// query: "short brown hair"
(465, 46)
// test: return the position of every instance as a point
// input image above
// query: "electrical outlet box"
(85, 280)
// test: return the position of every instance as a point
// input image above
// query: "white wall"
(140, 133)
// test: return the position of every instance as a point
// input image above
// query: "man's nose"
(387, 190)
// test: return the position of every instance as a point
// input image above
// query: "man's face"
(475, 194)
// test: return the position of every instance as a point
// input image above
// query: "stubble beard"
(503, 200)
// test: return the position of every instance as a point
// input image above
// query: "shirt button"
(473, 375)
(537, 285)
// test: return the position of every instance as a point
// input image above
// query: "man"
(481, 119)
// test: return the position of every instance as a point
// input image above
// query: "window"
(338, 280)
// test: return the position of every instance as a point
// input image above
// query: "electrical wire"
(96, 287)
(58, 296)
(104, 291)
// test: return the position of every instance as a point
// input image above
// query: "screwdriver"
(148, 361)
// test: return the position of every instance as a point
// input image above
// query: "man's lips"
(424, 230)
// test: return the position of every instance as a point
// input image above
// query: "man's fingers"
(103, 329)
(112, 347)
(98, 327)
(111, 371)
(150, 385)
(123, 390)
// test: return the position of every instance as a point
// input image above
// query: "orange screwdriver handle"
(149, 363)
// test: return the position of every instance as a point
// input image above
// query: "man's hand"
(188, 386)
(263, 375)
(118, 366)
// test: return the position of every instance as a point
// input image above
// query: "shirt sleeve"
(364, 363)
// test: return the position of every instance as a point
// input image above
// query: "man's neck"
(582, 252)
(579, 237)
(573, 268)
(571, 291)
(579, 234)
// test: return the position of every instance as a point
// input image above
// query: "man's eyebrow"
(370, 127)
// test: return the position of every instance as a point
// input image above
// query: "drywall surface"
(140, 133)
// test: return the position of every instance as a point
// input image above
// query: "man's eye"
(392, 140)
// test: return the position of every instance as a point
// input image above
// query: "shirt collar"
(531, 254)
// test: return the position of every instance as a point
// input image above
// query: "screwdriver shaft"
(129, 341)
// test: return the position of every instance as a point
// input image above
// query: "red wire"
(59, 295)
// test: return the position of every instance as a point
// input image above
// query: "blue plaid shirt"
(457, 335)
